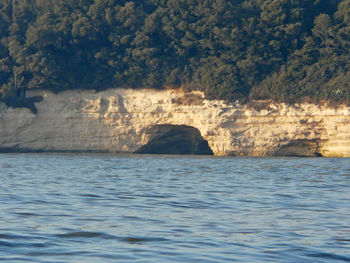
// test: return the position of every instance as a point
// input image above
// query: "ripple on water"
(86, 208)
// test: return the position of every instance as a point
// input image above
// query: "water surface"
(88, 208)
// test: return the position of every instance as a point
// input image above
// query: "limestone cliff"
(120, 120)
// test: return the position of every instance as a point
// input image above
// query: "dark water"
(69, 208)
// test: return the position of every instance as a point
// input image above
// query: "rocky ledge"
(172, 121)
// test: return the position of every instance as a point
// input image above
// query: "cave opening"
(175, 139)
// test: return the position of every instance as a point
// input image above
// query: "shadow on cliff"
(175, 139)
(29, 103)
(300, 148)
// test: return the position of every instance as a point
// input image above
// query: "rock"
(175, 139)
(300, 148)
(125, 120)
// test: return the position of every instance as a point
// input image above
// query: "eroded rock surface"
(175, 139)
(119, 120)
(300, 148)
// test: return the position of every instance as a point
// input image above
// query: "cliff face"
(119, 120)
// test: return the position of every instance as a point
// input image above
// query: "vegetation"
(285, 50)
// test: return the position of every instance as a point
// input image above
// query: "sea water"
(143, 208)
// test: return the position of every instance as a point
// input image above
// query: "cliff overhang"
(172, 122)
(175, 139)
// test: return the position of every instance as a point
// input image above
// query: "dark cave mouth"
(175, 139)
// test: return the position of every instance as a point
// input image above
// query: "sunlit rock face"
(119, 120)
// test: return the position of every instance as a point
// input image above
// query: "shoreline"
(124, 121)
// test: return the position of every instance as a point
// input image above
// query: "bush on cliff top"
(284, 50)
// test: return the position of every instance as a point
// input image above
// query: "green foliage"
(320, 69)
(7, 92)
(286, 50)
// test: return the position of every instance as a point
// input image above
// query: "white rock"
(115, 121)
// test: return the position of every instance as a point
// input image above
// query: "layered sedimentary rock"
(119, 120)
